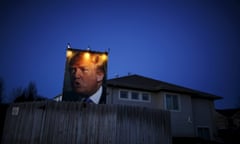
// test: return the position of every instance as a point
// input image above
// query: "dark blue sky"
(191, 43)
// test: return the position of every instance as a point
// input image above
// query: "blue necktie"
(88, 100)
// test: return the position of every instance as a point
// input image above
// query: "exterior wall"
(193, 112)
(158, 101)
(221, 121)
(182, 121)
(236, 119)
(203, 115)
(113, 98)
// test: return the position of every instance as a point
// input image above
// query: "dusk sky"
(191, 43)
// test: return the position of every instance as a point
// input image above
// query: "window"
(203, 132)
(172, 102)
(145, 97)
(124, 94)
(134, 96)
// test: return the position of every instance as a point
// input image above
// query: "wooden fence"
(78, 123)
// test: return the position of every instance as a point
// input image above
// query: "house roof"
(152, 85)
(228, 112)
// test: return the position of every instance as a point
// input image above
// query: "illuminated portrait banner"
(85, 76)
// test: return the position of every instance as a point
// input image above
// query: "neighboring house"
(228, 118)
(228, 125)
(192, 112)
(58, 98)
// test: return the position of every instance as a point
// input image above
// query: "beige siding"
(203, 112)
(221, 121)
(193, 112)
(182, 121)
(113, 98)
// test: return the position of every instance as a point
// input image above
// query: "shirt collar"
(96, 96)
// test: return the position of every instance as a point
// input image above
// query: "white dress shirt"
(96, 96)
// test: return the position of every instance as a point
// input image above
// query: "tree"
(31, 91)
(27, 94)
(18, 94)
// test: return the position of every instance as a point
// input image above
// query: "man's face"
(85, 78)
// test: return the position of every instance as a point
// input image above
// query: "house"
(228, 118)
(58, 98)
(228, 124)
(192, 111)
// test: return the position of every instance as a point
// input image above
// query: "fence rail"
(75, 122)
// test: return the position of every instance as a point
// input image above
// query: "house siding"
(203, 113)
(193, 112)
(195, 109)
(158, 100)
(113, 98)
(221, 121)
(182, 121)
